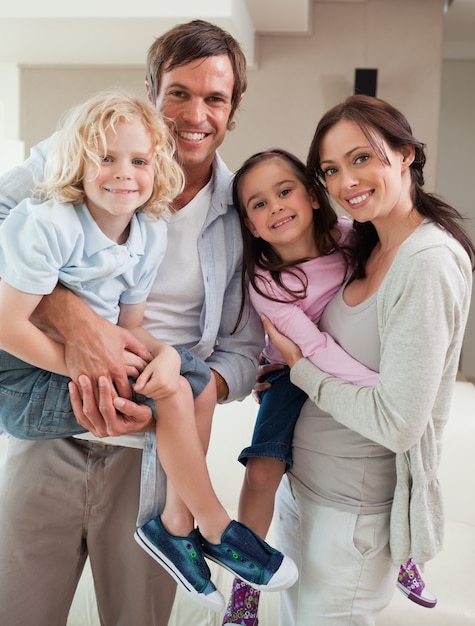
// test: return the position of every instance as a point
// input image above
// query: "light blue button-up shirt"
(43, 243)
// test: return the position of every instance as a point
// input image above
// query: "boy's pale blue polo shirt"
(43, 243)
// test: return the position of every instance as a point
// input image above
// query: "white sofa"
(450, 575)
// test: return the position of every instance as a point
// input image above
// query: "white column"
(12, 150)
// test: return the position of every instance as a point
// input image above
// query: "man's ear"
(251, 227)
(149, 92)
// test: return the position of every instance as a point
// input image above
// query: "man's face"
(197, 98)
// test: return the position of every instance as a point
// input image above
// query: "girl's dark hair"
(260, 255)
(379, 120)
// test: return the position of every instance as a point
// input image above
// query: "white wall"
(300, 77)
(455, 169)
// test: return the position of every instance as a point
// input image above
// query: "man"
(63, 500)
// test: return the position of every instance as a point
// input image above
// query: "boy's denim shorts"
(278, 413)
(35, 404)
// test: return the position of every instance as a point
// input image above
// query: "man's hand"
(110, 415)
(93, 346)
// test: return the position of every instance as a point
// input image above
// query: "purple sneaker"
(242, 606)
(410, 582)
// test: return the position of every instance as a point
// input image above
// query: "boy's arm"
(20, 337)
(159, 377)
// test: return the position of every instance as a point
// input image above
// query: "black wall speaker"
(366, 81)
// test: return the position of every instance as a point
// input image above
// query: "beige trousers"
(346, 575)
(60, 501)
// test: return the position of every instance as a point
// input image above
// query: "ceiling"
(52, 32)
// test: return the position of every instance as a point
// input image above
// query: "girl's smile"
(279, 208)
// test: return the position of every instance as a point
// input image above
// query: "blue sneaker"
(183, 558)
(251, 559)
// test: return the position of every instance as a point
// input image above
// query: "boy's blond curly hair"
(82, 140)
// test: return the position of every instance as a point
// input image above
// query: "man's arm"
(93, 346)
(19, 182)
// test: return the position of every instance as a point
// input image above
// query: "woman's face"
(367, 188)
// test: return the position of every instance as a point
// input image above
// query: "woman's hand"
(289, 350)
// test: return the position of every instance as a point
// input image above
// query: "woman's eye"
(362, 158)
(329, 171)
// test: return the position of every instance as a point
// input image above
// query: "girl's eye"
(259, 205)
(139, 162)
(285, 192)
(106, 159)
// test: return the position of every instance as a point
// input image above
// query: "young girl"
(110, 174)
(296, 255)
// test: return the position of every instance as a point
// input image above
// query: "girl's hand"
(289, 350)
(261, 384)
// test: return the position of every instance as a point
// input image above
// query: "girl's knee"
(263, 473)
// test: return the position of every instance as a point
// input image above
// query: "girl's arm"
(319, 347)
(20, 337)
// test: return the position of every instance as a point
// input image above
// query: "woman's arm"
(317, 346)
(423, 308)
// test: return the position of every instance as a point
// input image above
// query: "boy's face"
(125, 179)
(196, 97)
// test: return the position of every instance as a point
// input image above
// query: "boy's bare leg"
(182, 441)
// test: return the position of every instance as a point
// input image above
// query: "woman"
(363, 494)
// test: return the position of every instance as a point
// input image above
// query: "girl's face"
(125, 180)
(366, 188)
(279, 208)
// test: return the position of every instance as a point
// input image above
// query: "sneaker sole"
(279, 585)
(214, 604)
(428, 604)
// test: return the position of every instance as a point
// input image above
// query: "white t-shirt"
(176, 299)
